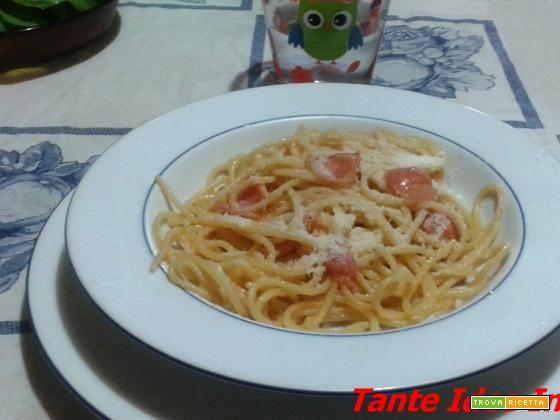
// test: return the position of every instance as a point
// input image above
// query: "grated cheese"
(362, 240)
(319, 165)
(430, 163)
(278, 224)
(315, 262)
(344, 221)
(438, 223)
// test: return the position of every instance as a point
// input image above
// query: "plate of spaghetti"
(308, 245)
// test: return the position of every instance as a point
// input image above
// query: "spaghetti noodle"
(331, 232)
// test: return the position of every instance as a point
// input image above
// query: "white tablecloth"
(499, 56)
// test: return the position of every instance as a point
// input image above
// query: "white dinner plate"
(110, 247)
(118, 377)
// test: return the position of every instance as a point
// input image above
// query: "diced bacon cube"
(440, 226)
(246, 198)
(286, 247)
(341, 267)
(339, 169)
(412, 184)
(251, 195)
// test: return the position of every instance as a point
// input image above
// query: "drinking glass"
(325, 40)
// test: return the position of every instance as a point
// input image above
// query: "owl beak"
(327, 26)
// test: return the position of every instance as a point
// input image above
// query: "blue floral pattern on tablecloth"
(430, 60)
(32, 184)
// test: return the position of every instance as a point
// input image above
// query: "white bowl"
(111, 250)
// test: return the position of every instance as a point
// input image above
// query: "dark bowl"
(29, 47)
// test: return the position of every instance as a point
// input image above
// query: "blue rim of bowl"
(448, 315)
(33, 29)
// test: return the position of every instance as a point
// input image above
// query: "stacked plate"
(89, 279)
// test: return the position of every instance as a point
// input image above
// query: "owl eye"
(313, 19)
(342, 20)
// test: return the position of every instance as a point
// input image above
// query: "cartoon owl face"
(326, 26)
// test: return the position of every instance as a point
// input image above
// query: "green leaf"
(83, 5)
(61, 12)
(15, 21)
(19, 14)
(41, 4)
(80, 5)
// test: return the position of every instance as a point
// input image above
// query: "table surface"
(503, 59)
